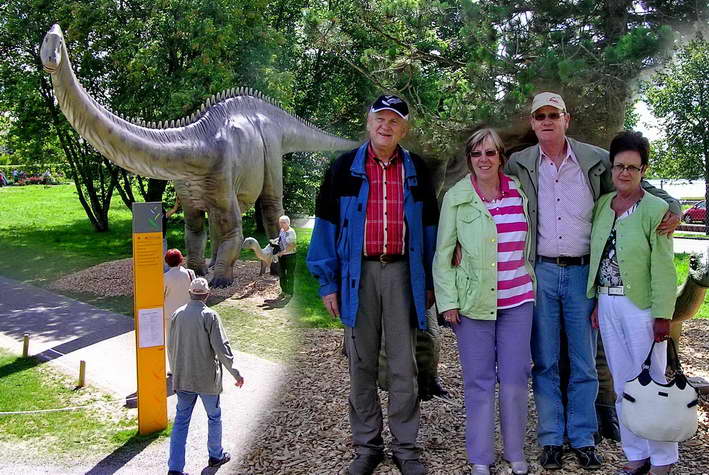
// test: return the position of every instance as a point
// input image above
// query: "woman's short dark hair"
(629, 140)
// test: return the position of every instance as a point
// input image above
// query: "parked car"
(696, 213)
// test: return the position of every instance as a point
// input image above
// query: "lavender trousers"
(492, 351)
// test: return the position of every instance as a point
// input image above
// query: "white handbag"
(660, 412)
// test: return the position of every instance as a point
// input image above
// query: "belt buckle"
(559, 262)
(616, 290)
(383, 259)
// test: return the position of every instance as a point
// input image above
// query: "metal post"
(26, 345)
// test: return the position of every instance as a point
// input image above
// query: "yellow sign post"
(149, 323)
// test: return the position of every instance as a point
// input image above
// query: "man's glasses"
(478, 153)
(630, 168)
(552, 116)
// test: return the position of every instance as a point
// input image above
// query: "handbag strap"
(673, 358)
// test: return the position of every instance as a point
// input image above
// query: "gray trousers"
(385, 305)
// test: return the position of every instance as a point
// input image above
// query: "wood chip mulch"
(115, 278)
(308, 431)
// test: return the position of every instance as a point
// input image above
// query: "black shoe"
(176, 472)
(213, 462)
(588, 458)
(608, 427)
(364, 464)
(551, 457)
(439, 391)
(409, 466)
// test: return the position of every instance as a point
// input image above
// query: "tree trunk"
(156, 188)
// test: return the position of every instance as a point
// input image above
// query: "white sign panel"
(150, 327)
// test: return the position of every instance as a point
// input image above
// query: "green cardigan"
(645, 258)
(472, 286)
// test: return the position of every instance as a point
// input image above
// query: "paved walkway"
(690, 245)
(64, 331)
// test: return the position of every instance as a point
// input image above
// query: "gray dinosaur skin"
(222, 158)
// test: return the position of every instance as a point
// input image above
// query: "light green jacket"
(645, 258)
(472, 286)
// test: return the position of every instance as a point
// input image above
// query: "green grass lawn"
(26, 385)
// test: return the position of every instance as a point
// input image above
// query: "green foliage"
(679, 96)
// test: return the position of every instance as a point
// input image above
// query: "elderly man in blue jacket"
(371, 250)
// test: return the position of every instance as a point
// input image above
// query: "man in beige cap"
(198, 350)
(562, 179)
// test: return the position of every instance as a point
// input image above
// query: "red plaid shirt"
(384, 227)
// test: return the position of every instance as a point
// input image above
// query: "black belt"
(385, 258)
(567, 260)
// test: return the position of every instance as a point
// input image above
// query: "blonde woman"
(488, 298)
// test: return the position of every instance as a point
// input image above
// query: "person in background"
(632, 275)
(199, 350)
(488, 299)
(176, 283)
(286, 257)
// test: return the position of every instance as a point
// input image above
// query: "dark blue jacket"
(336, 247)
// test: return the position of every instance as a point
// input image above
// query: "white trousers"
(627, 334)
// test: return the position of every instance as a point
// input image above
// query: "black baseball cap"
(392, 103)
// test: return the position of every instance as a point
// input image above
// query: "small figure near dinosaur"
(267, 255)
(222, 158)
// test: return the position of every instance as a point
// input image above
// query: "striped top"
(514, 284)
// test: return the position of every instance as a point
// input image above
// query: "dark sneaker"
(409, 466)
(176, 472)
(364, 464)
(588, 458)
(439, 391)
(219, 462)
(551, 457)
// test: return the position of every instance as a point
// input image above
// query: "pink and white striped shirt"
(514, 284)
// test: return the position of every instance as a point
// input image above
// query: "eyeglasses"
(552, 116)
(630, 168)
(478, 153)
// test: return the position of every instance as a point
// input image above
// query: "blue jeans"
(562, 303)
(185, 404)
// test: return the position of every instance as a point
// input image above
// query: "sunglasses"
(552, 116)
(478, 153)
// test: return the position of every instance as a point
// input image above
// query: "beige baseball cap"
(548, 99)
(199, 286)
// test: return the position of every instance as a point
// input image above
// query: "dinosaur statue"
(222, 158)
(265, 255)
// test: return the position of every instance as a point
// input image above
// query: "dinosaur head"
(699, 268)
(51, 51)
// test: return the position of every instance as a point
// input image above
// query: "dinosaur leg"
(271, 210)
(195, 239)
(216, 241)
(228, 225)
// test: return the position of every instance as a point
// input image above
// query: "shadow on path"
(124, 454)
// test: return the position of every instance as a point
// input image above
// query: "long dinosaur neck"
(299, 136)
(147, 152)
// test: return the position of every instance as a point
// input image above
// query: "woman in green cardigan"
(633, 275)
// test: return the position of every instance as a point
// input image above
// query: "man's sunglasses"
(478, 153)
(552, 116)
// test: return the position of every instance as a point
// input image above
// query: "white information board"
(151, 330)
